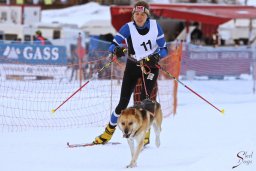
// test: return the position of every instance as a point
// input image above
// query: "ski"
(89, 144)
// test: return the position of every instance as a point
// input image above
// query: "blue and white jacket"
(141, 41)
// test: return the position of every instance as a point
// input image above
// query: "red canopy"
(206, 14)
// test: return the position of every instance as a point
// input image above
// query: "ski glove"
(152, 60)
(119, 51)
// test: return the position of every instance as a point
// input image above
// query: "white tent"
(235, 29)
(97, 27)
(91, 17)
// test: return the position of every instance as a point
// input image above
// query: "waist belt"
(133, 58)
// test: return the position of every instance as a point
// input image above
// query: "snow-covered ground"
(198, 138)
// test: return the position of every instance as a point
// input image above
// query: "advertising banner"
(33, 54)
(217, 62)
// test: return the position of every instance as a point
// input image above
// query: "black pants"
(131, 75)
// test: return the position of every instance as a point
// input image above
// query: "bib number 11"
(145, 45)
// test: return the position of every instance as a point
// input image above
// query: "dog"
(134, 122)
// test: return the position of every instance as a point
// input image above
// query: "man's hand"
(119, 51)
(152, 60)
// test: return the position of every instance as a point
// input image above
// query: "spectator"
(216, 39)
(40, 40)
(196, 35)
(74, 64)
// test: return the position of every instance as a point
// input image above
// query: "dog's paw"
(157, 142)
(132, 165)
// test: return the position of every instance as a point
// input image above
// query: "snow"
(90, 17)
(78, 15)
(197, 138)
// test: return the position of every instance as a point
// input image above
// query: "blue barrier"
(33, 54)
(97, 49)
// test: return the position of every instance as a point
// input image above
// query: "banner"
(33, 54)
(217, 62)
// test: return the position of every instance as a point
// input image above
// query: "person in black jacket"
(196, 35)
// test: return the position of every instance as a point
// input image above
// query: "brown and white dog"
(135, 121)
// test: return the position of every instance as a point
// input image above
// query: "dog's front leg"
(157, 130)
(131, 144)
(136, 154)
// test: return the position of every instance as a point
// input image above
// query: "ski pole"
(93, 77)
(177, 80)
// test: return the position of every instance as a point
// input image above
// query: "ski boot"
(106, 136)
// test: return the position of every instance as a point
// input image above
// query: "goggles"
(140, 9)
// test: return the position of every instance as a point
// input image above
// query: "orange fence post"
(80, 53)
